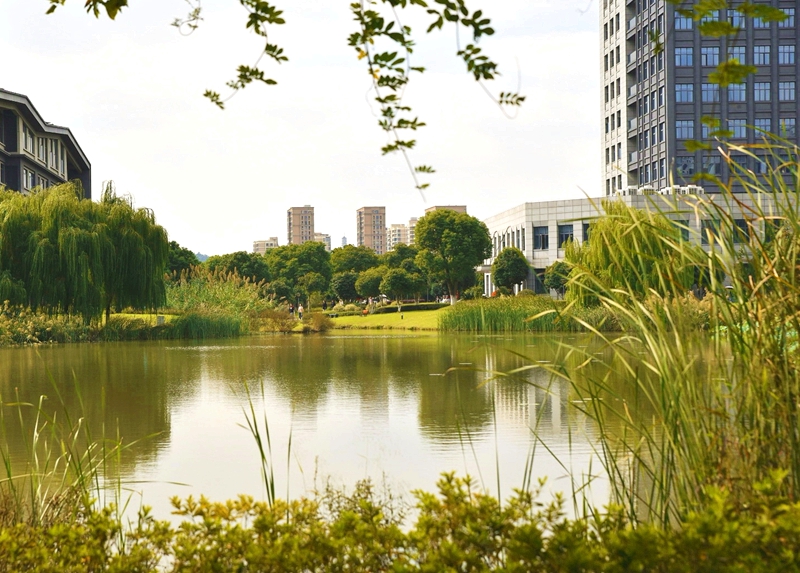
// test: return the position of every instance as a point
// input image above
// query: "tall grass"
(730, 419)
(523, 314)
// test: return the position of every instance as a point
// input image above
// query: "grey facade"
(653, 100)
(35, 153)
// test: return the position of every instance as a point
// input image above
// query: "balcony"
(633, 157)
(633, 90)
(633, 123)
(631, 27)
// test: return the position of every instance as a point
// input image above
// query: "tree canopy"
(510, 267)
(630, 249)
(180, 259)
(63, 253)
(247, 265)
(298, 270)
(450, 246)
(353, 259)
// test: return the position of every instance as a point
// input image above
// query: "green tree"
(556, 277)
(344, 285)
(180, 259)
(291, 263)
(450, 246)
(350, 258)
(510, 267)
(246, 265)
(396, 283)
(630, 249)
(369, 281)
(399, 256)
(74, 256)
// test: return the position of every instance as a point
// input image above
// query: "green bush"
(457, 529)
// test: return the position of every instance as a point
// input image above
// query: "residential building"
(412, 227)
(35, 153)
(324, 239)
(456, 208)
(299, 225)
(344, 241)
(395, 235)
(371, 228)
(262, 247)
(655, 67)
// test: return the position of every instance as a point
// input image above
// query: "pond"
(400, 409)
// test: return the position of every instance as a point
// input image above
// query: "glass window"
(606, 125)
(63, 160)
(661, 132)
(712, 16)
(683, 22)
(789, 21)
(736, 18)
(685, 166)
(762, 91)
(683, 57)
(586, 232)
(736, 92)
(788, 127)
(737, 127)
(737, 53)
(565, 234)
(760, 55)
(763, 125)
(741, 231)
(709, 56)
(663, 166)
(684, 129)
(712, 164)
(708, 230)
(786, 91)
(541, 239)
(786, 55)
(684, 93)
(42, 148)
(2, 173)
(660, 96)
(759, 23)
(710, 93)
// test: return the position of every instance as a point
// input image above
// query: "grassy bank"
(416, 320)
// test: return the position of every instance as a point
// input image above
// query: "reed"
(727, 420)
(523, 314)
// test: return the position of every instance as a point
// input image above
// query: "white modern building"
(262, 247)
(541, 230)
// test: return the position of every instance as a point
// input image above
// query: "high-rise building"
(395, 235)
(344, 241)
(300, 224)
(656, 89)
(412, 227)
(371, 228)
(324, 239)
(262, 247)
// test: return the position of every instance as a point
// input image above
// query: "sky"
(131, 92)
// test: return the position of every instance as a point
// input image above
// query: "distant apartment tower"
(456, 208)
(654, 94)
(262, 247)
(300, 224)
(344, 241)
(371, 228)
(324, 239)
(412, 228)
(395, 235)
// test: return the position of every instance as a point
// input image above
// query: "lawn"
(416, 320)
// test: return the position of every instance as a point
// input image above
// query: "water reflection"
(408, 407)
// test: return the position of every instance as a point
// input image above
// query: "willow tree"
(134, 271)
(630, 250)
(74, 256)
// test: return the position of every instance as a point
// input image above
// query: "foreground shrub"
(19, 325)
(458, 529)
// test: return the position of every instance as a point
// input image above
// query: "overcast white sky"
(131, 91)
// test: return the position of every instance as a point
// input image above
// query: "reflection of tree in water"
(118, 389)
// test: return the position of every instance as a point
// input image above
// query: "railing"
(631, 23)
(633, 123)
(633, 90)
(633, 157)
